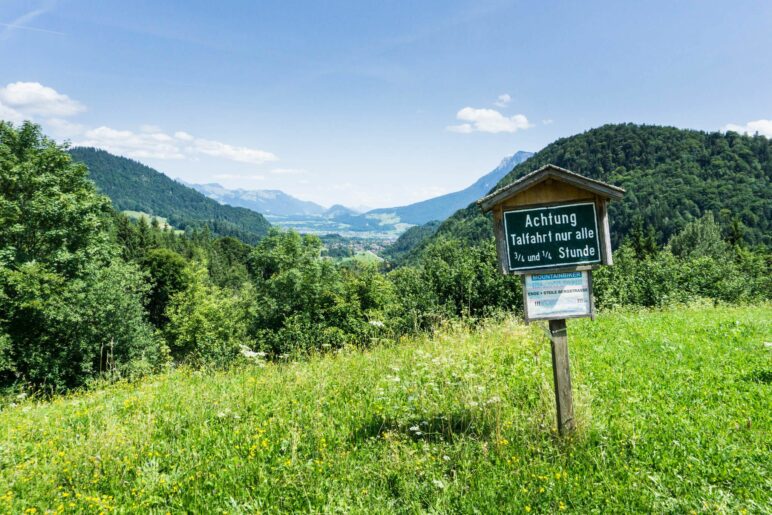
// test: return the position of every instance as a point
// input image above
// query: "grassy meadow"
(674, 415)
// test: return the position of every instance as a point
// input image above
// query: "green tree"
(700, 238)
(71, 308)
(167, 276)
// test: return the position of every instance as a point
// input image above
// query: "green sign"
(552, 237)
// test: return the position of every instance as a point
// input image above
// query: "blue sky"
(373, 103)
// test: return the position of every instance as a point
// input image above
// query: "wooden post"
(562, 376)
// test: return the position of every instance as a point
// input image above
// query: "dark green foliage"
(672, 176)
(64, 331)
(71, 308)
(133, 186)
(642, 239)
(452, 281)
(227, 262)
(165, 270)
(303, 301)
(49, 211)
(207, 325)
(663, 278)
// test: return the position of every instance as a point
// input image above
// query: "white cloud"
(488, 120)
(32, 98)
(763, 127)
(9, 114)
(503, 100)
(150, 142)
(62, 128)
(548, 121)
(149, 128)
(184, 136)
(131, 144)
(287, 171)
(240, 154)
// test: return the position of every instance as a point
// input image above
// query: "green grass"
(673, 409)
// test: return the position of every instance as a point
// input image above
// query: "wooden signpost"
(552, 228)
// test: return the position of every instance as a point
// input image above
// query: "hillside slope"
(439, 208)
(672, 410)
(133, 186)
(672, 176)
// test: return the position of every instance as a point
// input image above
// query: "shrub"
(206, 324)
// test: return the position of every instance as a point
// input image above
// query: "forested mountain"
(672, 177)
(133, 186)
(409, 240)
(267, 202)
(439, 208)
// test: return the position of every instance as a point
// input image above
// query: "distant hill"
(439, 208)
(267, 202)
(133, 186)
(672, 176)
(338, 211)
(307, 217)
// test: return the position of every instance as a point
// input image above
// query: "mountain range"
(440, 208)
(247, 214)
(304, 216)
(266, 202)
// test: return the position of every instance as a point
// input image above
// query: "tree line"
(86, 293)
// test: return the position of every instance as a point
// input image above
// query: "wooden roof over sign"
(599, 188)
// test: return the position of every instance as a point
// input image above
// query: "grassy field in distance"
(674, 415)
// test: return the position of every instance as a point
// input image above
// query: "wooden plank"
(547, 192)
(605, 233)
(501, 240)
(556, 270)
(525, 301)
(549, 171)
(562, 376)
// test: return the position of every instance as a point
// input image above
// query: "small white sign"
(562, 295)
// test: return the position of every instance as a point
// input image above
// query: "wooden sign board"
(552, 227)
(551, 190)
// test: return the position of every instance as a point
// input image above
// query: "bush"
(738, 275)
(453, 281)
(206, 324)
(304, 301)
(65, 331)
